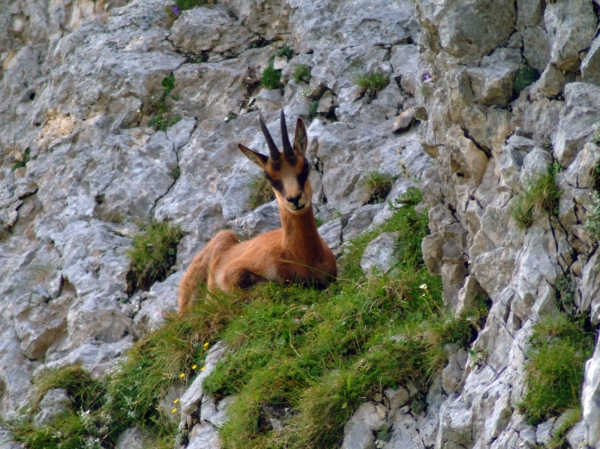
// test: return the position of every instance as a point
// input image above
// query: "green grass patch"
(20, 163)
(271, 78)
(190, 4)
(301, 73)
(372, 83)
(377, 185)
(153, 252)
(261, 191)
(162, 118)
(286, 51)
(560, 345)
(312, 108)
(539, 197)
(592, 225)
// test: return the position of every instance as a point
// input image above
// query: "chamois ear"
(260, 160)
(301, 138)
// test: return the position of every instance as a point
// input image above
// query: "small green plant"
(153, 252)
(312, 109)
(271, 78)
(285, 51)
(301, 73)
(559, 349)
(377, 185)
(539, 197)
(592, 225)
(525, 76)
(319, 221)
(20, 163)
(261, 191)
(231, 116)
(162, 119)
(184, 5)
(566, 288)
(176, 172)
(372, 83)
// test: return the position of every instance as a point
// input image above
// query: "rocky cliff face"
(80, 81)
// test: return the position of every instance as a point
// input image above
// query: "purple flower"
(426, 76)
(176, 10)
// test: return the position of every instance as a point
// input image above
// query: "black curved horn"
(287, 146)
(272, 147)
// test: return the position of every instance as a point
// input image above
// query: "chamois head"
(287, 170)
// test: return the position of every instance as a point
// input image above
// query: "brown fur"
(294, 253)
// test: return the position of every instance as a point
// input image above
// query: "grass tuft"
(301, 73)
(153, 252)
(271, 78)
(592, 225)
(286, 51)
(184, 5)
(539, 197)
(261, 191)
(312, 108)
(559, 348)
(372, 83)
(20, 163)
(377, 185)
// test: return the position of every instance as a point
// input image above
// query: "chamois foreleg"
(199, 271)
(238, 275)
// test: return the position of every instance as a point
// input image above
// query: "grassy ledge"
(539, 197)
(560, 346)
(153, 252)
(307, 358)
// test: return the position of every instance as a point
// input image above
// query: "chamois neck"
(300, 233)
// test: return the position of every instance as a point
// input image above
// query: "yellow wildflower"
(182, 375)
(175, 401)
(203, 368)
(174, 410)
(194, 366)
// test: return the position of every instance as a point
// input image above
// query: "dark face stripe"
(301, 177)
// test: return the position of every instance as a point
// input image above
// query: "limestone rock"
(190, 400)
(331, 232)
(133, 438)
(590, 398)
(358, 431)
(53, 403)
(572, 26)
(578, 121)
(469, 30)
(492, 82)
(590, 67)
(204, 436)
(207, 29)
(379, 255)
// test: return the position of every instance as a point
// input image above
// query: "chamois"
(293, 253)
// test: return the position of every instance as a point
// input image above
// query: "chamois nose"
(294, 199)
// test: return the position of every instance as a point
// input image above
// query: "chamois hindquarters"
(199, 271)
